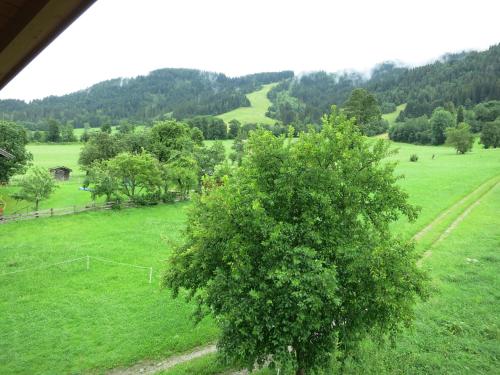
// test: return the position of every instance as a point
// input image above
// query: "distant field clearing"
(256, 113)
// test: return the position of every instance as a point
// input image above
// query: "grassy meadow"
(67, 319)
(68, 193)
(256, 113)
(391, 117)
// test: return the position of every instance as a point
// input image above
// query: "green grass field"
(68, 193)
(256, 113)
(391, 117)
(66, 319)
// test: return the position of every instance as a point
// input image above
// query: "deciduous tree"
(102, 182)
(182, 172)
(293, 253)
(35, 186)
(490, 135)
(135, 174)
(460, 137)
(440, 121)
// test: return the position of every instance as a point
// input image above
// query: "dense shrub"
(490, 135)
(415, 130)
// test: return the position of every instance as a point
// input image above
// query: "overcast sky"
(126, 38)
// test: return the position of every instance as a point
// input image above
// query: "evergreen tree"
(53, 131)
(460, 115)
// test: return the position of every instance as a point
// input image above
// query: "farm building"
(60, 173)
(6, 154)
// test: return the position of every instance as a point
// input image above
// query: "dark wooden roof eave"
(32, 26)
(61, 168)
(6, 154)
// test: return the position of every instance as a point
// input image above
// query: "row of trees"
(422, 130)
(211, 128)
(151, 165)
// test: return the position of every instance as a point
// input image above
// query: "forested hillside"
(465, 78)
(177, 93)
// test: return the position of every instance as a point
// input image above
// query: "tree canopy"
(490, 134)
(293, 255)
(440, 121)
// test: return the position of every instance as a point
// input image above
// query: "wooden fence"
(61, 211)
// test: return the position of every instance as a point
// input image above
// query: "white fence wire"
(87, 258)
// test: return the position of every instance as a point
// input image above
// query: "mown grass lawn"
(69, 320)
(457, 331)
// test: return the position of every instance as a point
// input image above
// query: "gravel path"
(149, 368)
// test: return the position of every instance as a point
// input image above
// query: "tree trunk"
(36, 204)
(300, 362)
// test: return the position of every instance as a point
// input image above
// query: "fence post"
(150, 274)
(51, 212)
(88, 262)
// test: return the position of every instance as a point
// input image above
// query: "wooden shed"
(60, 173)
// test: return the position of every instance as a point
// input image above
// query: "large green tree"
(183, 174)
(13, 139)
(208, 158)
(293, 254)
(67, 133)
